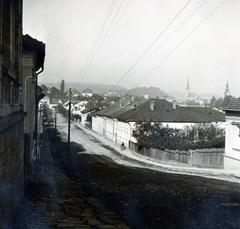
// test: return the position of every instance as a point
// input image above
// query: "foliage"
(55, 93)
(221, 103)
(44, 89)
(89, 118)
(61, 109)
(200, 136)
(62, 87)
(47, 114)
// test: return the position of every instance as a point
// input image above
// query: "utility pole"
(69, 120)
(36, 119)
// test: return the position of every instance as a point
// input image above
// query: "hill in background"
(96, 88)
(152, 92)
(101, 89)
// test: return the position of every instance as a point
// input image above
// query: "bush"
(199, 136)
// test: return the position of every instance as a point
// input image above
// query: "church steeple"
(187, 88)
(227, 91)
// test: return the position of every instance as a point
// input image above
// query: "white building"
(117, 123)
(232, 147)
(106, 123)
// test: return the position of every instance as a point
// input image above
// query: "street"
(89, 189)
(144, 198)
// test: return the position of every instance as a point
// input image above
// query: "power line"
(180, 43)
(118, 21)
(91, 62)
(114, 27)
(151, 45)
(101, 32)
(170, 36)
(174, 32)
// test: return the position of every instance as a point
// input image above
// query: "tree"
(199, 136)
(62, 87)
(228, 100)
(54, 93)
(44, 89)
(219, 103)
(213, 102)
(152, 134)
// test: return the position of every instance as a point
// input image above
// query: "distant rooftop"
(234, 106)
(164, 111)
(87, 90)
(115, 110)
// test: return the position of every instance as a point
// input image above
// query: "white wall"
(94, 124)
(123, 133)
(98, 125)
(232, 147)
(84, 118)
(109, 128)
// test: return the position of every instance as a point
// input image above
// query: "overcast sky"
(208, 56)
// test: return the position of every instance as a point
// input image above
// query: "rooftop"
(164, 111)
(34, 46)
(234, 106)
(87, 90)
(115, 110)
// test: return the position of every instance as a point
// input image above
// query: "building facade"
(32, 65)
(11, 108)
(118, 123)
(232, 143)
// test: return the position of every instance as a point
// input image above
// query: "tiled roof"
(164, 112)
(115, 110)
(91, 107)
(32, 45)
(234, 106)
(87, 90)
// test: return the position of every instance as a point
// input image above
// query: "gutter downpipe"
(37, 153)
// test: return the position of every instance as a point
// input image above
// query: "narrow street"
(53, 200)
(91, 190)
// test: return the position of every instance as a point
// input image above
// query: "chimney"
(174, 105)
(152, 105)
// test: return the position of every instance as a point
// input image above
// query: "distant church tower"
(227, 91)
(188, 89)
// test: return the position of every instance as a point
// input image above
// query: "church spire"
(188, 85)
(227, 91)
(187, 88)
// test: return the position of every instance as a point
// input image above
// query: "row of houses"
(21, 61)
(118, 121)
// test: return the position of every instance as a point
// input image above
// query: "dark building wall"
(11, 112)
(11, 165)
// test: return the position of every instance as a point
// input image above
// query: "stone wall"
(11, 165)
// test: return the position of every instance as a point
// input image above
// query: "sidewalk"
(56, 201)
(221, 174)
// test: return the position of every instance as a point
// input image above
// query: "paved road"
(144, 198)
(54, 200)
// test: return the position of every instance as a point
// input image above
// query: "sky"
(133, 43)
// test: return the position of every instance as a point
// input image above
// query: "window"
(1, 9)
(6, 33)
